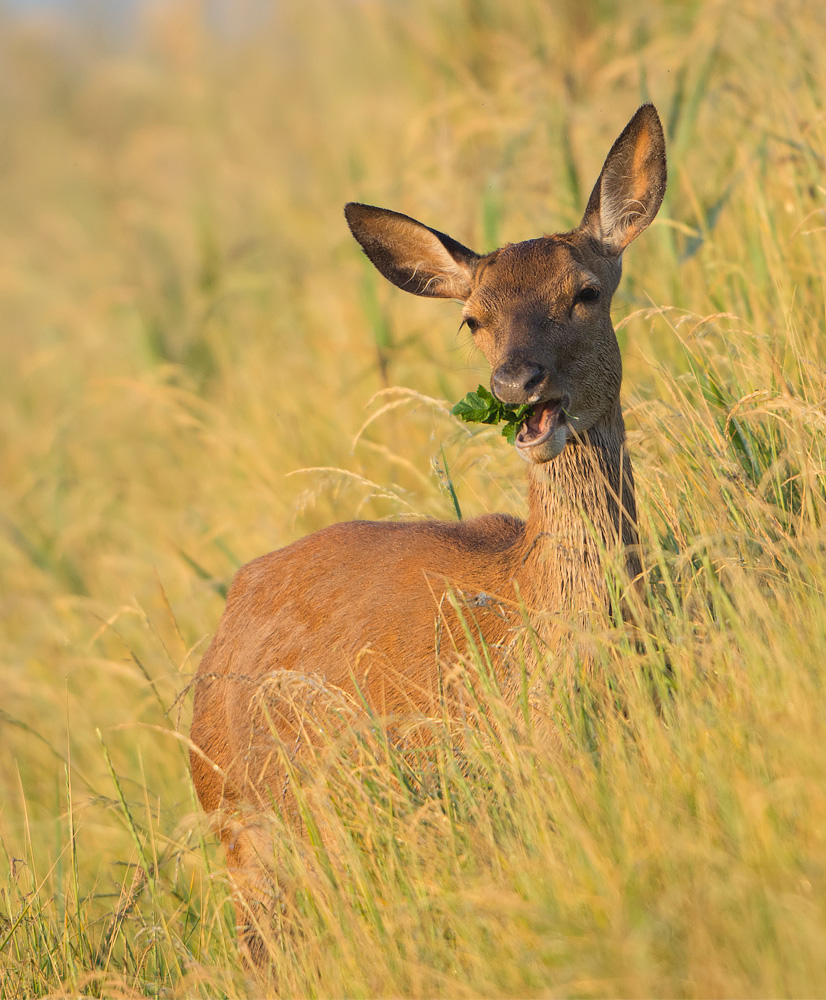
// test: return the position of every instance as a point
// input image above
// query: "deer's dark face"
(540, 310)
(540, 313)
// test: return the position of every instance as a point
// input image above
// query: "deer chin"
(545, 433)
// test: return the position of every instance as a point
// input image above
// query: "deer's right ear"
(631, 186)
(413, 256)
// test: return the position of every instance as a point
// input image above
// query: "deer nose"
(517, 381)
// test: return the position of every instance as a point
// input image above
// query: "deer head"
(539, 310)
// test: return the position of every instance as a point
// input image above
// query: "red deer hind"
(354, 605)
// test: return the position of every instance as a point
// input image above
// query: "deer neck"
(582, 513)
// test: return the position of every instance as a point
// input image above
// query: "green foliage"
(482, 407)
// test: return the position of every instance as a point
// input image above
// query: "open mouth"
(547, 418)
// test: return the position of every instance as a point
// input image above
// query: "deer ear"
(413, 256)
(631, 186)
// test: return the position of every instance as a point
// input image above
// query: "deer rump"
(401, 583)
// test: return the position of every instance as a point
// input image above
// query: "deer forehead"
(542, 274)
(539, 279)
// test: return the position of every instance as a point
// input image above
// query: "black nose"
(516, 381)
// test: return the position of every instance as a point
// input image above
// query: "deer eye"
(589, 294)
(471, 323)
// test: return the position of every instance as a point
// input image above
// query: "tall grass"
(187, 326)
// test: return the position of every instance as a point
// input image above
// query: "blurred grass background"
(187, 325)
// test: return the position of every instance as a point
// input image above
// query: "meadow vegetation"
(197, 366)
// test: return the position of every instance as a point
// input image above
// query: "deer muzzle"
(517, 381)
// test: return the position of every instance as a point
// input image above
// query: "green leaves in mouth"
(481, 407)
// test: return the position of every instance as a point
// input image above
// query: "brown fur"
(355, 609)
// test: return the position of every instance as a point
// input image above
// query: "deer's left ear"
(631, 186)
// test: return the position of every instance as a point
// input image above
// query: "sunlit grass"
(198, 367)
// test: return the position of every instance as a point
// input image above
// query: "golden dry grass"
(187, 324)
